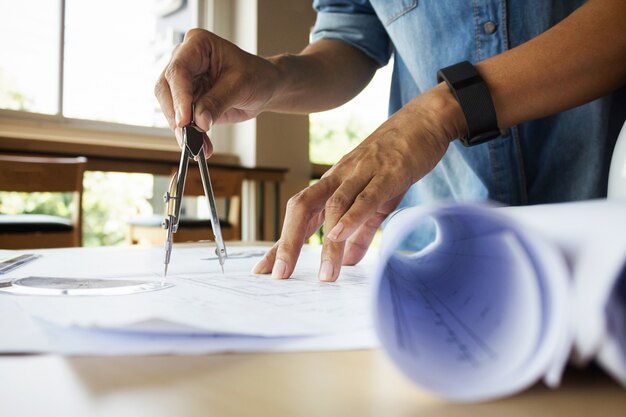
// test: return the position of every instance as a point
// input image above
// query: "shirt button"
(490, 27)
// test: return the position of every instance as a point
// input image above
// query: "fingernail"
(260, 267)
(177, 117)
(280, 267)
(326, 272)
(335, 232)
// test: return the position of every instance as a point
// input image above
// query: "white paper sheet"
(24, 334)
(248, 310)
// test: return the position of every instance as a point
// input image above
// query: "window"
(92, 63)
(29, 68)
(336, 132)
(89, 59)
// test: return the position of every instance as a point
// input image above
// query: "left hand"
(354, 197)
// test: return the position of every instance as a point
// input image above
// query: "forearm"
(324, 75)
(580, 59)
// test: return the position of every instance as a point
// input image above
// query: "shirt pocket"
(391, 10)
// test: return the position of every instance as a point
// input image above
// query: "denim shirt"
(563, 157)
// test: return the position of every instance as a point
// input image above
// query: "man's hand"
(229, 85)
(354, 197)
(226, 84)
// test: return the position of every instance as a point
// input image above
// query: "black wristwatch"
(472, 93)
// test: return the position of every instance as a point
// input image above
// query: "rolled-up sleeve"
(355, 23)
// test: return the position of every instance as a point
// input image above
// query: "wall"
(266, 28)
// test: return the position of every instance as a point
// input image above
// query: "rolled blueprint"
(502, 297)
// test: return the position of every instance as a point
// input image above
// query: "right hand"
(227, 84)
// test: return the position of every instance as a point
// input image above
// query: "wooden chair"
(226, 185)
(41, 174)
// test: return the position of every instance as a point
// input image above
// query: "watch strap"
(472, 93)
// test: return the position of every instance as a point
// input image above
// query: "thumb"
(218, 100)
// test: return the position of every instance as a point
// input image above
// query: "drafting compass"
(192, 147)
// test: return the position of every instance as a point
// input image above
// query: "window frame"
(53, 125)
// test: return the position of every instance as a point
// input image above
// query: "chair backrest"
(46, 174)
(34, 174)
(227, 184)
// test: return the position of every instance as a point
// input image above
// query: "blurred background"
(87, 68)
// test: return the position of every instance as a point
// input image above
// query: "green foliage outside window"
(110, 199)
(330, 140)
(57, 204)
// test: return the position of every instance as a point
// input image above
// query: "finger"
(208, 147)
(301, 209)
(264, 266)
(336, 206)
(210, 106)
(189, 60)
(330, 262)
(178, 133)
(358, 244)
(180, 81)
(365, 205)
(164, 97)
